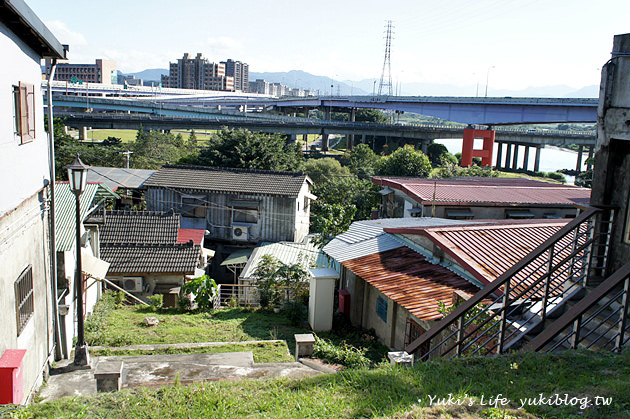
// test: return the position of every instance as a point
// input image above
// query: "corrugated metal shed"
(65, 210)
(408, 279)
(368, 237)
(306, 253)
(487, 191)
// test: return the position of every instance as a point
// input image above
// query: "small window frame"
(24, 298)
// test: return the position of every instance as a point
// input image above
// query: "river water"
(551, 158)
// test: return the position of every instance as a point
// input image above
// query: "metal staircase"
(553, 299)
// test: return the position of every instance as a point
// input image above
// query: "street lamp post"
(77, 175)
(487, 77)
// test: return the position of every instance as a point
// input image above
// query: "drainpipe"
(60, 350)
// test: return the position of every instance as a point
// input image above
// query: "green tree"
(405, 161)
(330, 220)
(438, 154)
(152, 149)
(322, 170)
(362, 161)
(192, 145)
(281, 283)
(245, 149)
(204, 289)
(371, 115)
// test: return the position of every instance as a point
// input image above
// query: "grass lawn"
(124, 326)
(386, 392)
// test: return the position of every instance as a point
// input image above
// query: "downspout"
(60, 350)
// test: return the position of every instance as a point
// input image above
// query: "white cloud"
(65, 35)
(223, 43)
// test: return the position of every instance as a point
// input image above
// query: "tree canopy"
(405, 161)
(249, 150)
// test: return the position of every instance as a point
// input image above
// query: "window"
(24, 298)
(381, 308)
(24, 109)
(193, 206)
(244, 211)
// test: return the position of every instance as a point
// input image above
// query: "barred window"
(24, 298)
(381, 308)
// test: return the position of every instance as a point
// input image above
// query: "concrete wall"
(23, 243)
(611, 183)
(24, 223)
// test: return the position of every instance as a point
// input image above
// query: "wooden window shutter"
(27, 111)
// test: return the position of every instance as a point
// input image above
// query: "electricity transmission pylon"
(386, 79)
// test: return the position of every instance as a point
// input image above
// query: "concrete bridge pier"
(526, 158)
(324, 141)
(589, 164)
(508, 156)
(350, 137)
(515, 158)
(291, 138)
(537, 159)
(83, 134)
(499, 162)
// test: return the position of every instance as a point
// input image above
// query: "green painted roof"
(238, 257)
(65, 212)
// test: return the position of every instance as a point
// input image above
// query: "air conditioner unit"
(133, 284)
(239, 233)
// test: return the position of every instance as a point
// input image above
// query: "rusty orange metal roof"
(488, 250)
(406, 277)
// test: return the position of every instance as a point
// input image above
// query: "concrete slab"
(160, 370)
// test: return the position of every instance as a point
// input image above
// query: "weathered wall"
(276, 220)
(611, 183)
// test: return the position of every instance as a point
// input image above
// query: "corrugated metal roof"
(488, 250)
(238, 257)
(184, 235)
(408, 279)
(65, 210)
(368, 237)
(289, 253)
(228, 180)
(488, 191)
(116, 177)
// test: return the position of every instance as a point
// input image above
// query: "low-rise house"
(93, 198)
(234, 205)
(478, 198)
(398, 276)
(27, 279)
(149, 253)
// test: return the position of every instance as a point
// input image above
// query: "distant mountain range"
(322, 84)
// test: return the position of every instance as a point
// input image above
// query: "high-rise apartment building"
(102, 71)
(197, 73)
(240, 72)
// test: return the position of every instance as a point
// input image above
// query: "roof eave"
(27, 26)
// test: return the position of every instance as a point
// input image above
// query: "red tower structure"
(468, 151)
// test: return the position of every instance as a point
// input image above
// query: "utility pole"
(127, 153)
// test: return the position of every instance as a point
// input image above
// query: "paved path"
(159, 370)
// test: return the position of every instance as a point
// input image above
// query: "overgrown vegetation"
(343, 354)
(383, 392)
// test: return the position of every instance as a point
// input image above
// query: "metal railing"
(237, 295)
(599, 320)
(521, 300)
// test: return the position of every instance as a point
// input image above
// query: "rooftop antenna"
(386, 79)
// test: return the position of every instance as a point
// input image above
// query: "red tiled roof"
(488, 250)
(184, 235)
(487, 191)
(408, 279)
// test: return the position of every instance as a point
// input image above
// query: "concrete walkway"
(159, 370)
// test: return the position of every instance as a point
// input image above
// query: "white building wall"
(25, 165)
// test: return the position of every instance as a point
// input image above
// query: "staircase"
(555, 298)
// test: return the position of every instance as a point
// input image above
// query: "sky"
(505, 44)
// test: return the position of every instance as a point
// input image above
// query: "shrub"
(156, 300)
(204, 289)
(343, 354)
